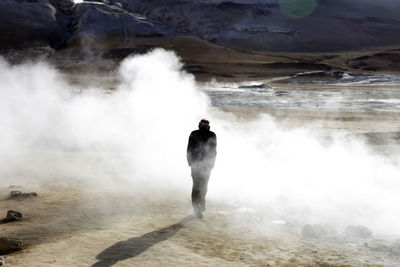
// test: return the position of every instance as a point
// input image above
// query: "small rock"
(2, 260)
(358, 231)
(13, 215)
(281, 93)
(255, 86)
(10, 244)
(313, 231)
(15, 193)
(19, 194)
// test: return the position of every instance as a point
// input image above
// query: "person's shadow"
(134, 246)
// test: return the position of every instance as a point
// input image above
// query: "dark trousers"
(200, 176)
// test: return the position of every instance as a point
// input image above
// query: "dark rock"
(257, 11)
(98, 26)
(281, 93)
(31, 24)
(255, 86)
(19, 194)
(358, 231)
(8, 244)
(65, 6)
(13, 215)
(313, 232)
(243, 25)
(15, 194)
(253, 25)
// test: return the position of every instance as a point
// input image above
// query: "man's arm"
(213, 149)
(189, 150)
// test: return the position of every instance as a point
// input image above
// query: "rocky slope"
(287, 26)
(31, 24)
(297, 35)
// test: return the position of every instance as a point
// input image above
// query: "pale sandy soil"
(74, 226)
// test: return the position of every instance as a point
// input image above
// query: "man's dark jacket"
(202, 148)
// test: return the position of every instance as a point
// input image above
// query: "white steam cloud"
(136, 137)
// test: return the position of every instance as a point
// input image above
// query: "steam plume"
(136, 137)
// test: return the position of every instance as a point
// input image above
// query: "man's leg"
(205, 176)
(196, 191)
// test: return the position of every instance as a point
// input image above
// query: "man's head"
(204, 125)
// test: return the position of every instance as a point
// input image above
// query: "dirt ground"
(70, 225)
(73, 224)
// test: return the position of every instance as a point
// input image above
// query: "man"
(201, 153)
